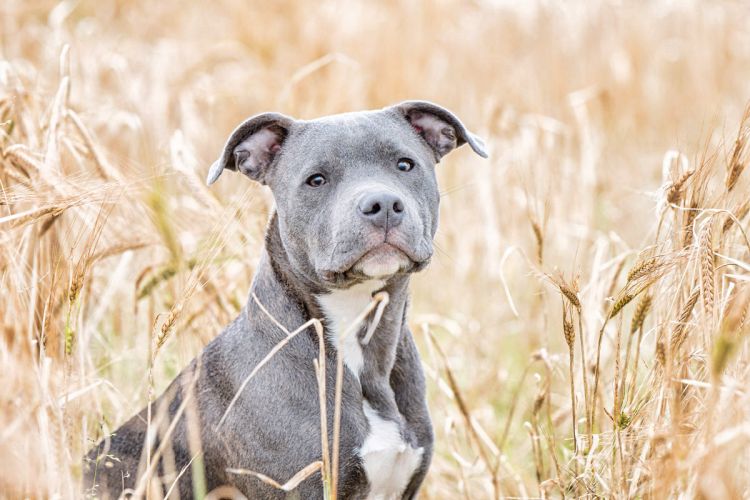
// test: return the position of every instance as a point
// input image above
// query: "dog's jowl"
(356, 212)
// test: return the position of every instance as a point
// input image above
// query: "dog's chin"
(381, 262)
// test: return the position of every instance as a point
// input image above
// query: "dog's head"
(356, 194)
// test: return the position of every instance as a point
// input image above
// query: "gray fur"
(316, 242)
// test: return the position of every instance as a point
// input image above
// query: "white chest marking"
(341, 308)
(389, 462)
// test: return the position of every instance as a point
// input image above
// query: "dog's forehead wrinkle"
(355, 136)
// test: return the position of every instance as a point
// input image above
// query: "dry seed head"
(106, 171)
(22, 159)
(570, 294)
(168, 324)
(16, 177)
(118, 249)
(736, 311)
(76, 284)
(678, 333)
(661, 354)
(161, 276)
(727, 225)
(675, 191)
(708, 270)
(685, 315)
(691, 213)
(569, 331)
(30, 216)
(738, 160)
(743, 210)
(621, 302)
(643, 268)
(641, 311)
(740, 212)
(734, 174)
(538, 402)
(539, 236)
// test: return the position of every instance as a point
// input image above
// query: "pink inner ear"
(262, 141)
(257, 151)
(422, 122)
(438, 134)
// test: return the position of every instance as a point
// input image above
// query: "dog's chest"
(389, 461)
(341, 309)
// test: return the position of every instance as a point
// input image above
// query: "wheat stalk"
(636, 325)
(539, 238)
(675, 191)
(570, 337)
(739, 213)
(621, 302)
(643, 268)
(738, 159)
(708, 271)
(75, 134)
(680, 329)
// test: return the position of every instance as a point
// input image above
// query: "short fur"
(316, 243)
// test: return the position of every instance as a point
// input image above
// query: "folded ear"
(440, 128)
(252, 147)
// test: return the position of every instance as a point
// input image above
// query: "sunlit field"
(583, 323)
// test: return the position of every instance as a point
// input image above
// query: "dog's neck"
(297, 299)
(296, 286)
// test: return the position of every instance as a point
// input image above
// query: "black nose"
(384, 210)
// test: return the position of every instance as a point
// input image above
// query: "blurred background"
(117, 264)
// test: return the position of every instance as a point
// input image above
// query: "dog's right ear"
(252, 147)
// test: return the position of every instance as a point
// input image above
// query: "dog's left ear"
(252, 147)
(440, 128)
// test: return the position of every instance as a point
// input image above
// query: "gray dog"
(356, 212)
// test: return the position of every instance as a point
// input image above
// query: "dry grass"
(613, 210)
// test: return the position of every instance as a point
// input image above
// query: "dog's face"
(356, 194)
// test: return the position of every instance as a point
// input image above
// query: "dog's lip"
(383, 246)
(344, 271)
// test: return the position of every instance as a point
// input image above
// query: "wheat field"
(583, 324)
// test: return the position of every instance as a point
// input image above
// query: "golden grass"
(615, 146)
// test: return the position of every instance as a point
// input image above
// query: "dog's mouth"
(380, 261)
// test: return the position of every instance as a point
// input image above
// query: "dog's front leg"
(408, 383)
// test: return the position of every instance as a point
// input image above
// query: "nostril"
(372, 209)
(398, 207)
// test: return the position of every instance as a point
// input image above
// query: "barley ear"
(708, 271)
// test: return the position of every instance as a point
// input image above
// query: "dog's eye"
(405, 164)
(315, 180)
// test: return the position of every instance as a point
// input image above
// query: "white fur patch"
(388, 461)
(341, 308)
(385, 267)
(382, 262)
